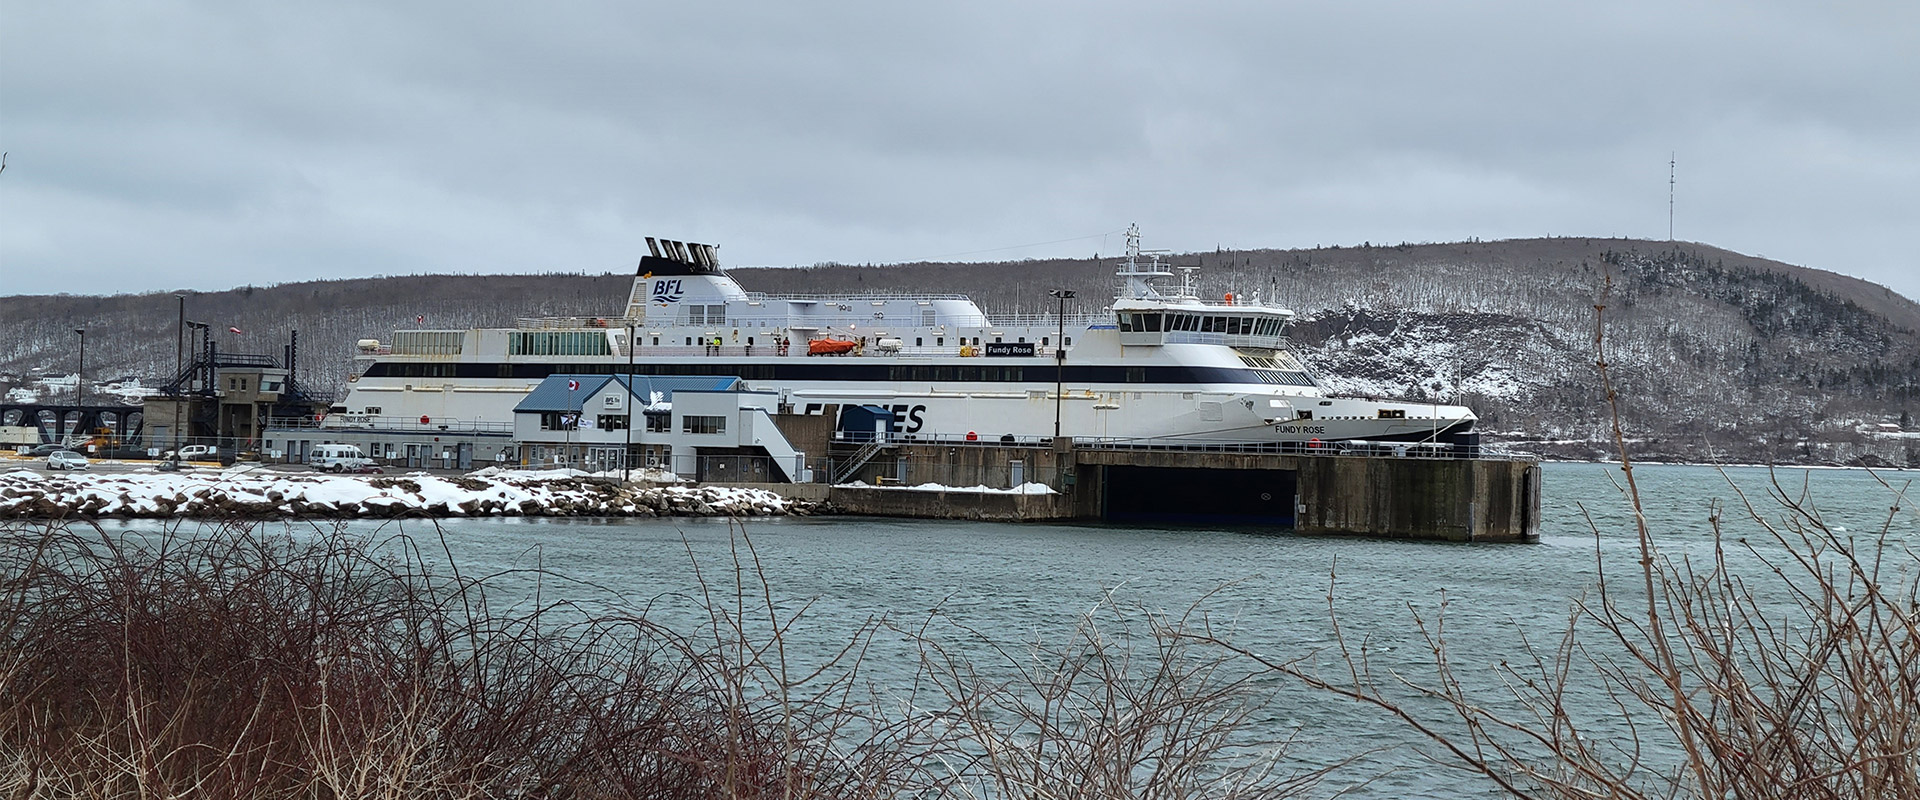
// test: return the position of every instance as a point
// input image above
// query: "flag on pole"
(235, 330)
(573, 386)
(419, 319)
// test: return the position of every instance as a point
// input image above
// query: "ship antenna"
(1136, 282)
(1671, 161)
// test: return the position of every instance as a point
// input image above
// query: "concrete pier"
(1383, 493)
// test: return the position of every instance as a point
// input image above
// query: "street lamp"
(626, 456)
(179, 366)
(1059, 354)
(80, 383)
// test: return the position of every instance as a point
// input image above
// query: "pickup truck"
(195, 452)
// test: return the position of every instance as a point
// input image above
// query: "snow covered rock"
(25, 494)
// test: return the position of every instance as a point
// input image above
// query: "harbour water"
(1016, 584)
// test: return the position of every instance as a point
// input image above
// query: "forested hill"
(1716, 354)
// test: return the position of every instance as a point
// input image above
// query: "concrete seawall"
(1382, 494)
(982, 506)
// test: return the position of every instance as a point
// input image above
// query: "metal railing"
(870, 296)
(346, 422)
(853, 463)
(556, 323)
(798, 349)
(1228, 339)
(1431, 450)
(1008, 440)
(1073, 323)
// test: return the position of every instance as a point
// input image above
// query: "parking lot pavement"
(119, 466)
(114, 466)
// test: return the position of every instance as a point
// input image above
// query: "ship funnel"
(674, 273)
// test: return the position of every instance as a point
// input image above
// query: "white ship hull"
(1151, 367)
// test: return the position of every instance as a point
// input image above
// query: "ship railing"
(973, 439)
(1229, 340)
(1049, 321)
(868, 296)
(798, 349)
(544, 323)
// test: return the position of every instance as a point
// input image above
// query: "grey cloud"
(214, 145)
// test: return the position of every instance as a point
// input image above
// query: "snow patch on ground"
(254, 492)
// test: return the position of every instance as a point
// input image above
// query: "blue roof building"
(702, 427)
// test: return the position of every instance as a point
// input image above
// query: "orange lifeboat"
(828, 347)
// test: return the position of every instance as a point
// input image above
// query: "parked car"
(66, 459)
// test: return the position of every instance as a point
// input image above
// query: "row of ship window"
(1156, 321)
(594, 343)
(918, 341)
(837, 370)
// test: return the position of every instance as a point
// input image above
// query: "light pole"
(626, 455)
(80, 384)
(567, 454)
(179, 366)
(1059, 354)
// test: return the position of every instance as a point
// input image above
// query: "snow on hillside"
(50, 389)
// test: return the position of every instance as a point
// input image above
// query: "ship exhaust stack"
(676, 273)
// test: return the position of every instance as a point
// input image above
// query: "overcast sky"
(158, 145)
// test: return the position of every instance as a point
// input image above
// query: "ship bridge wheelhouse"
(1251, 327)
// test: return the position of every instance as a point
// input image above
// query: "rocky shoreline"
(28, 495)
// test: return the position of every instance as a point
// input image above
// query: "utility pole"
(572, 385)
(626, 455)
(179, 366)
(80, 385)
(1672, 159)
(1059, 354)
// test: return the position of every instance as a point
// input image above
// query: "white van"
(337, 458)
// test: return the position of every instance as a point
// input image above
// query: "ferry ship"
(1157, 364)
